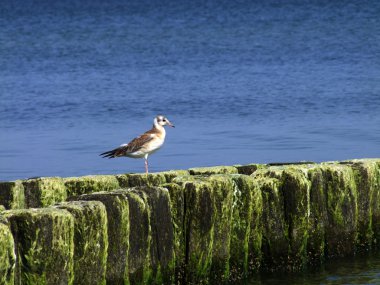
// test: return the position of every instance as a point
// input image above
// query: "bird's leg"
(146, 167)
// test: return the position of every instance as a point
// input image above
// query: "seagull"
(144, 145)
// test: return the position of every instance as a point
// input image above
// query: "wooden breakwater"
(201, 225)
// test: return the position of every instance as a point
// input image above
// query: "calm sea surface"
(353, 271)
(244, 81)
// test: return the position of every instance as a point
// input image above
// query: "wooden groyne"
(201, 225)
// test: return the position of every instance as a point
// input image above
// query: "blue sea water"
(348, 271)
(243, 81)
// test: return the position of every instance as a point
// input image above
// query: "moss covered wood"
(223, 192)
(296, 190)
(318, 219)
(375, 214)
(172, 174)
(43, 192)
(7, 254)
(213, 170)
(152, 179)
(162, 247)
(117, 208)
(342, 209)
(199, 230)
(213, 227)
(139, 179)
(140, 238)
(89, 184)
(286, 214)
(249, 168)
(367, 177)
(246, 236)
(12, 195)
(208, 217)
(275, 237)
(44, 244)
(90, 239)
(177, 201)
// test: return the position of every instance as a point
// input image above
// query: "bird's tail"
(109, 154)
(120, 151)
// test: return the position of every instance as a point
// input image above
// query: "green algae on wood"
(342, 209)
(7, 254)
(287, 213)
(199, 220)
(171, 174)
(44, 242)
(249, 168)
(223, 192)
(208, 215)
(12, 195)
(162, 248)
(177, 201)
(140, 238)
(213, 170)
(182, 180)
(117, 208)
(376, 207)
(295, 188)
(224, 226)
(275, 238)
(90, 239)
(90, 184)
(365, 176)
(140, 179)
(152, 179)
(246, 235)
(286, 192)
(43, 192)
(207, 222)
(318, 219)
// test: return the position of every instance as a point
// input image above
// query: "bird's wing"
(134, 145)
(137, 143)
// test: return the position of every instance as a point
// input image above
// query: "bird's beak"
(170, 124)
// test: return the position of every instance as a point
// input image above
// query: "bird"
(144, 145)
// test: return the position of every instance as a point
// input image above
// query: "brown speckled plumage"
(142, 146)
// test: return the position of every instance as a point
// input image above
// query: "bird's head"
(162, 121)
